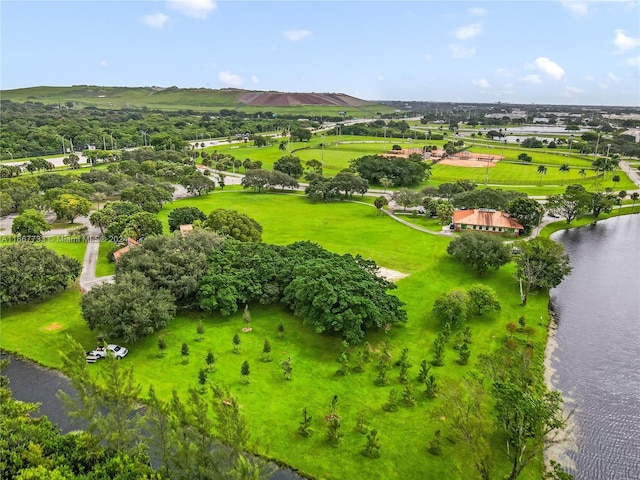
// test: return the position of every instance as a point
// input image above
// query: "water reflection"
(598, 346)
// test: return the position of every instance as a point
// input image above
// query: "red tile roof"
(486, 218)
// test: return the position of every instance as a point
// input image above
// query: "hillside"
(199, 99)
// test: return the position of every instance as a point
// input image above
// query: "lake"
(595, 352)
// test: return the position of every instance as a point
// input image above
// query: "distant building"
(118, 253)
(486, 220)
(184, 229)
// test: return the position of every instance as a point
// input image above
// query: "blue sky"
(560, 52)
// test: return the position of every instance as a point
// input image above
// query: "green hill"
(197, 99)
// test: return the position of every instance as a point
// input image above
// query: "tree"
(184, 351)
(174, 263)
(570, 204)
(564, 168)
(406, 197)
(600, 203)
(305, 425)
(621, 196)
(470, 425)
(342, 295)
(452, 307)
(30, 223)
(482, 299)
(524, 157)
(380, 202)
(245, 369)
(236, 343)
(131, 308)
(257, 179)
(480, 252)
(615, 179)
(347, 183)
(445, 211)
(184, 216)
(70, 206)
(107, 402)
(235, 224)
(200, 331)
(6, 204)
(542, 170)
(287, 368)
(266, 351)
(401, 172)
(527, 211)
(291, 165)
(634, 197)
(372, 447)
(280, 330)
(31, 272)
(162, 345)
(141, 224)
(197, 183)
(526, 412)
(210, 360)
(542, 264)
(149, 198)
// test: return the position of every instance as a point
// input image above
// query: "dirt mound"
(283, 99)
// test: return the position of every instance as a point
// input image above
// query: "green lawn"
(271, 403)
(105, 267)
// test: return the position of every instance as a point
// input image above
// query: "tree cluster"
(343, 185)
(402, 172)
(31, 272)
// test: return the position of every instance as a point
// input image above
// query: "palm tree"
(582, 172)
(615, 179)
(634, 197)
(542, 170)
(564, 168)
(621, 195)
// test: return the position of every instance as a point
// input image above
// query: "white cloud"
(295, 35)
(612, 77)
(482, 83)
(634, 61)
(572, 91)
(549, 67)
(104, 63)
(255, 79)
(155, 20)
(459, 51)
(230, 79)
(531, 79)
(192, 8)
(576, 7)
(468, 31)
(624, 42)
(502, 72)
(477, 11)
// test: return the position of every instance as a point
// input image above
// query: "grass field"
(504, 173)
(271, 403)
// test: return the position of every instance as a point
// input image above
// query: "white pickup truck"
(101, 352)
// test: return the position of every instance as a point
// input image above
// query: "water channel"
(594, 357)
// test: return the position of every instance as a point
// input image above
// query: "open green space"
(105, 267)
(273, 404)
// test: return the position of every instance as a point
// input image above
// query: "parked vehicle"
(101, 352)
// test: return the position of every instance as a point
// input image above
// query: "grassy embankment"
(172, 99)
(271, 403)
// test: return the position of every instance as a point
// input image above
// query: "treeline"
(202, 436)
(205, 271)
(34, 129)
